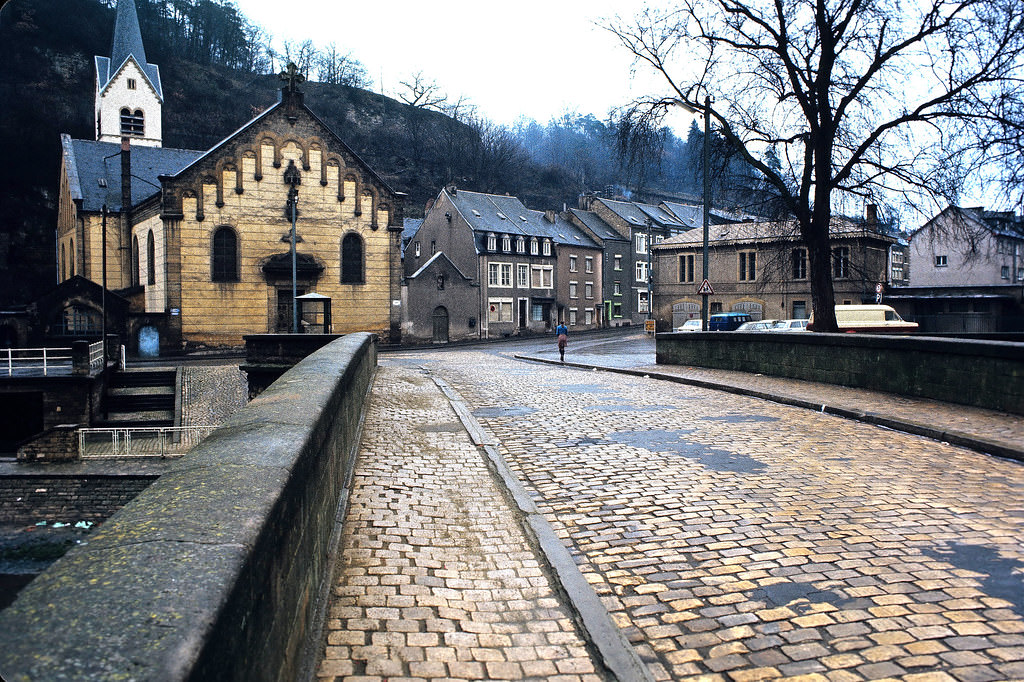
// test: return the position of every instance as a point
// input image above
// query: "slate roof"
(89, 162)
(599, 227)
(438, 256)
(637, 214)
(410, 226)
(502, 214)
(127, 42)
(761, 231)
(693, 216)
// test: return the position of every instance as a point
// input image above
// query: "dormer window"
(132, 122)
(131, 83)
(492, 242)
(533, 246)
(547, 247)
(506, 243)
(520, 245)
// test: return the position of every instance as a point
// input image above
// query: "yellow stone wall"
(221, 313)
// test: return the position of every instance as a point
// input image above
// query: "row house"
(484, 265)
(965, 273)
(762, 268)
(639, 225)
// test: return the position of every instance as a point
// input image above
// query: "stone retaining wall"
(29, 499)
(216, 570)
(980, 373)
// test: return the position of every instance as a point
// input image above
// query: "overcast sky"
(531, 58)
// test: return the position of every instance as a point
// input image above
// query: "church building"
(199, 242)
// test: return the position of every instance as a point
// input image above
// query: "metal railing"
(152, 441)
(96, 356)
(29, 361)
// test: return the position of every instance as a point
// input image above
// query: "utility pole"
(707, 207)
(293, 178)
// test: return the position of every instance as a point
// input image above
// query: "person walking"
(562, 332)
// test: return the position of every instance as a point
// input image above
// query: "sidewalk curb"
(958, 438)
(614, 650)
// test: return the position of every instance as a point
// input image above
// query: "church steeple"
(127, 36)
(129, 95)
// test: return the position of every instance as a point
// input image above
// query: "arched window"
(63, 262)
(224, 256)
(132, 122)
(150, 259)
(352, 260)
(71, 259)
(135, 261)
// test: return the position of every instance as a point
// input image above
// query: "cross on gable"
(292, 76)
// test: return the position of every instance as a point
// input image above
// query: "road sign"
(878, 288)
(705, 288)
(650, 326)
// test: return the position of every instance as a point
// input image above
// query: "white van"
(869, 318)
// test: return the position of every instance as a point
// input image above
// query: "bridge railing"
(152, 441)
(35, 361)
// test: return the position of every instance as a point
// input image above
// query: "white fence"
(35, 361)
(156, 441)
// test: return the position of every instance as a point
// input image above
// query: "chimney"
(871, 215)
(452, 189)
(549, 216)
(126, 175)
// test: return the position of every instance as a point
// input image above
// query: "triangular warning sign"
(705, 288)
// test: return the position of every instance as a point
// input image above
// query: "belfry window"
(224, 257)
(132, 122)
(150, 259)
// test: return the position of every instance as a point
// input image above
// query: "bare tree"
(341, 69)
(304, 55)
(858, 98)
(423, 93)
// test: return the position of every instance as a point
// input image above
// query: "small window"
(588, 264)
(642, 302)
(617, 288)
(224, 257)
(547, 247)
(433, 247)
(131, 83)
(572, 263)
(506, 243)
(799, 262)
(135, 261)
(748, 266)
(588, 290)
(1006, 272)
(522, 276)
(841, 262)
(940, 261)
(150, 259)
(534, 245)
(520, 245)
(492, 242)
(352, 259)
(572, 317)
(573, 293)
(416, 248)
(686, 273)
(641, 242)
(641, 271)
(618, 262)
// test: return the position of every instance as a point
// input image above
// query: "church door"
(285, 303)
(440, 318)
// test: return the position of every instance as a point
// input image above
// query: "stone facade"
(763, 269)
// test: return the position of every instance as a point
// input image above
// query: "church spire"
(127, 36)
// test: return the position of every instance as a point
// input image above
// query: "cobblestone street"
(729, 537)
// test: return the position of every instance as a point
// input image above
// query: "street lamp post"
(293, 178)
(707, 208)
(650, 276)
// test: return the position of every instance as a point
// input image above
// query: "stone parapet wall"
(986, 374)
(216, 570)
(56, 444)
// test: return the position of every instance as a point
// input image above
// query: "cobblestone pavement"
(212, 393)
(738, 539)
(436, 578)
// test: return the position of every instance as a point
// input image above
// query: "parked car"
(789, 326)
(689, 326)
(756, 326)
(727, 322)
(869, 318)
